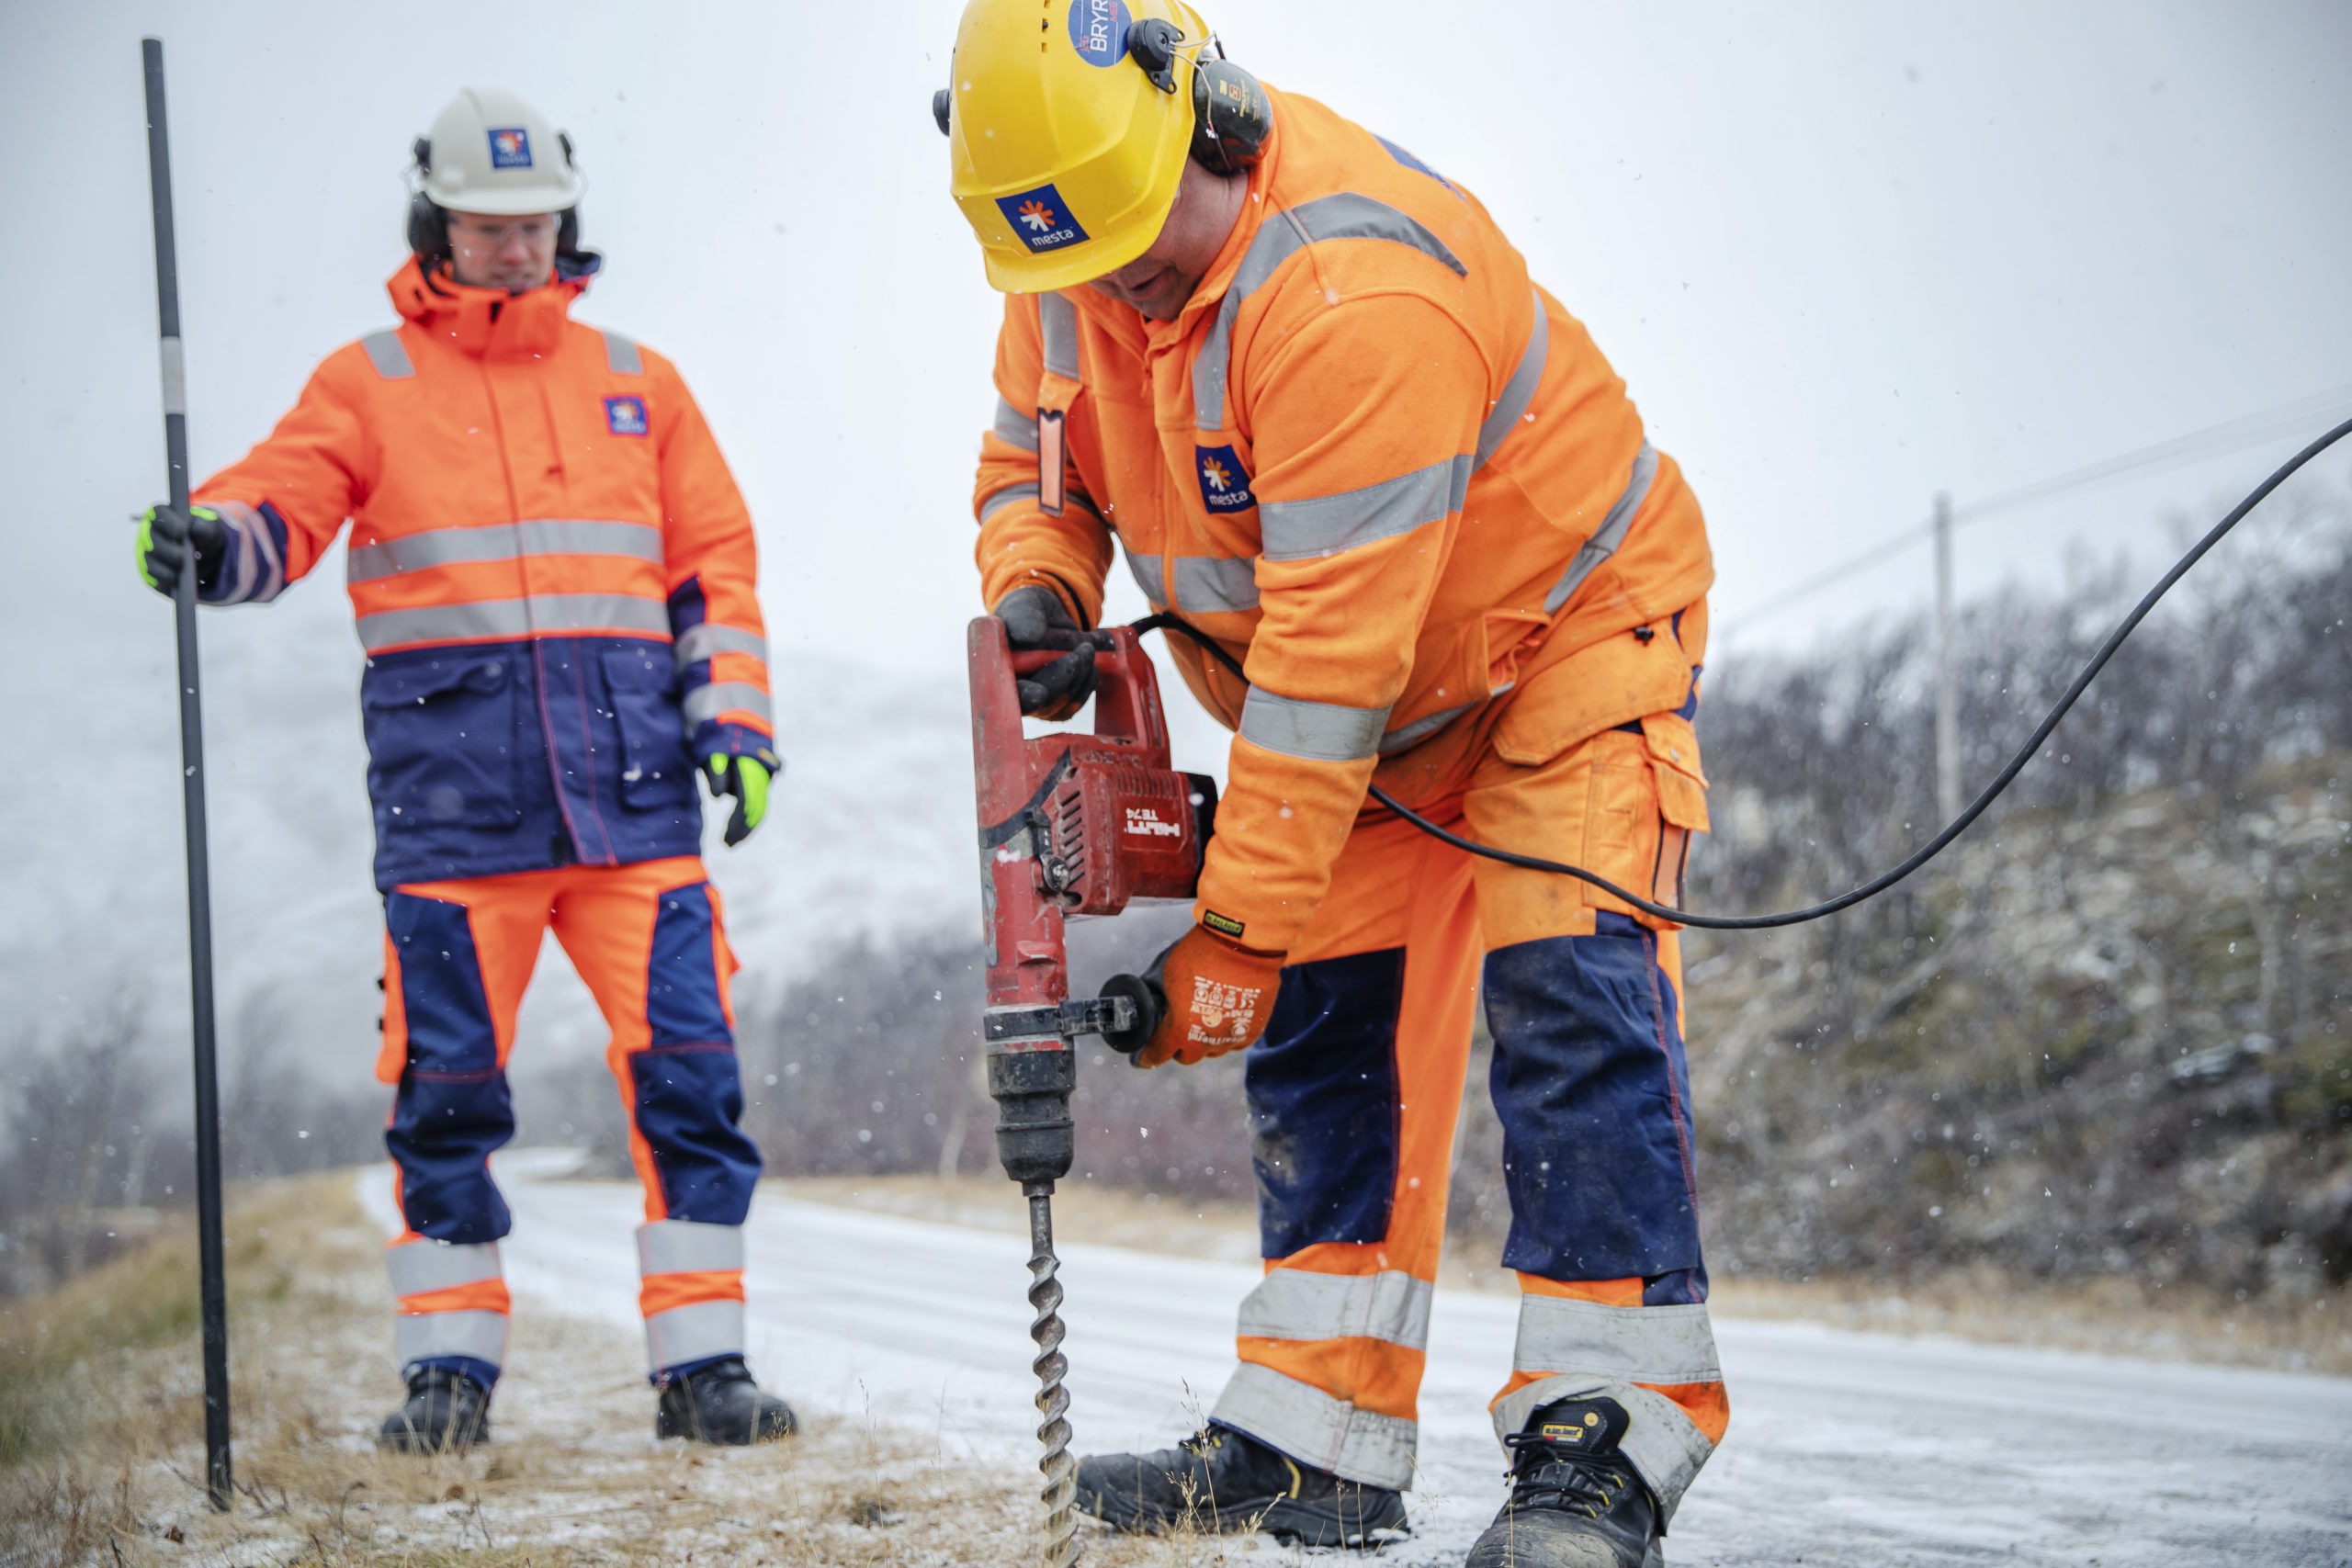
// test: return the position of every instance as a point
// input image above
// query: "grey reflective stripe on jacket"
(1344, 216)
(502, 541)
(1327, 524)
(1013, 427)
(1610, 535)
(1010, 494)
(1315, 733)
(706, 702)
(388, 356)
(489, 620)
(1518, 392)
(1057, 335)
(699, 643)
(621, 357)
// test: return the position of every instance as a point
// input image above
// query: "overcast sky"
(1845, 255)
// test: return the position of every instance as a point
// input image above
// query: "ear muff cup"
(1231, 118)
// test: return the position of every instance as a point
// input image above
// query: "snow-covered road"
(1845, 1450)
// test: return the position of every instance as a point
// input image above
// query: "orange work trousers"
(648, 941)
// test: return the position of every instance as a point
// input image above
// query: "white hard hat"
(490, 152)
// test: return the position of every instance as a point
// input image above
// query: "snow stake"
(219, 1483)
(1070, 824)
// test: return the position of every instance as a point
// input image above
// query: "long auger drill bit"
(1051, 1365)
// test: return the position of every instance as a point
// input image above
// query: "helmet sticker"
(510, 147)
(1098, 28)
(1041, 218)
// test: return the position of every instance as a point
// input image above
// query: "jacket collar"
(491, 323)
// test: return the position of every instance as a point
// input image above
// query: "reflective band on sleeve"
(621, 357)
(388, 356)
(416, 1267)
(1317, 1429)
(694, 1333)
(1208, 584)
(678, 1247)
(1058, 332)
(1316, 732)
(481, 1336)
(1345, 216)
(1296, 1304)
(1660, 1344)
(488, 618)
(1518, 392)
(1659, 1440)
(502, 541)
(699, 643)
(706, 703)
(1610, 535)
(252, 571)
(1008, 496)
(1015, 427)
(1406, 736)
(1327, 524)
(1146, 569)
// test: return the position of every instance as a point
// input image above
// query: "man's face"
(1158, 282)
(513, 254)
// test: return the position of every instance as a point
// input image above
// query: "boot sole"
(1289, 1520)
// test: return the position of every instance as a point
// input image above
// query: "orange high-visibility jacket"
(1371, 460)
(552, 570)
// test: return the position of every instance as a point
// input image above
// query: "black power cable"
(1926, 853)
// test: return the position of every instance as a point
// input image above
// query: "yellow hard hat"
(1067, 154)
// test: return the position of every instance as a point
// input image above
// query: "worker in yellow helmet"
(1306, 385)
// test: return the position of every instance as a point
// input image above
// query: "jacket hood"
(485, 321)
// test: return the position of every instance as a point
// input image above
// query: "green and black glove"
(165, 538)
(747, 779)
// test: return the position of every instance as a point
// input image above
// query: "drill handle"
(1150, 1004)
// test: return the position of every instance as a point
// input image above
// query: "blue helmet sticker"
(1042, 219)
(1097, 30)
(1225, 483)
(626, 416)
(510, 147)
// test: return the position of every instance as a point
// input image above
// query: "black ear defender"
(1231, 115)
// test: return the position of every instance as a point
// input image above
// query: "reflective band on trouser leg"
(453, 1303)
(692, 1292)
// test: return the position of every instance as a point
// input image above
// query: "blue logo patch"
(1098, 28)
(626, 416)
(1225, 483)
(510, 147)
(1042, 219)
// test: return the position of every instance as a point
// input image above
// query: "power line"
(2231, 435)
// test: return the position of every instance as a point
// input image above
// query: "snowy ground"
(1844, 1449)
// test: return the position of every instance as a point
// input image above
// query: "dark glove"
(747, 779)
(1034, 617)
(162, 546)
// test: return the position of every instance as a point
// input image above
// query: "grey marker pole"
(217, 1481)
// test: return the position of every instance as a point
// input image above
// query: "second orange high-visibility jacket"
(1375, 461)
(552, 572)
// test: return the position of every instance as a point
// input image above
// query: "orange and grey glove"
(1219, 993)
(1035, 619)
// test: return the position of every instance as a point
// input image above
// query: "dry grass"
(2116, 1316)
(103, 1395)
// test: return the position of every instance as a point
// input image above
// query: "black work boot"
(720, 1403)
(447, 1412)
(1575, 1501)
(1222, 1479)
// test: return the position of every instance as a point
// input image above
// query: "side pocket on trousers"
(1681, 801)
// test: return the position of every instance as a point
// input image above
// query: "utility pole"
(1947, 802)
